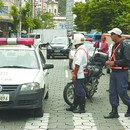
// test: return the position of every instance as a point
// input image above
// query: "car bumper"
(23, 100)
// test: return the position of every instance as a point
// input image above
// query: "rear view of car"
(59, 46)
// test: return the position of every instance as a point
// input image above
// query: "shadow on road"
(15, 114)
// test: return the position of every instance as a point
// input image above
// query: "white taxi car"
(23, 75)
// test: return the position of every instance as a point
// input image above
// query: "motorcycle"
(93, 72)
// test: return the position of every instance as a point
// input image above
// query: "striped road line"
(84, 121)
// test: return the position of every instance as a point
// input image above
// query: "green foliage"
(15, 14)
(102, 15)
(38, 23)
(62, 7)
(27, 21)
(1, 4)
(48, 21)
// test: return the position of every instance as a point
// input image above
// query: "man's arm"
(76, 69)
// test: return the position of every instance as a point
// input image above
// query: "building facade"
(6, 20)
(52, 7)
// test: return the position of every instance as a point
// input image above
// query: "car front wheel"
(38, 112)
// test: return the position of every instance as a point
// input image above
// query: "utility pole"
(20, 18)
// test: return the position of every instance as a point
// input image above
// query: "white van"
(37, 38)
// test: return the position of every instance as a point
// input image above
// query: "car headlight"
(30, 86)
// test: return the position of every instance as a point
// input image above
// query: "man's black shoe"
(79, 111)
(71, 108)
(111, 115)
(127, 114)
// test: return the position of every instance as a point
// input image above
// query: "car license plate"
(4, 97)
(57, 50)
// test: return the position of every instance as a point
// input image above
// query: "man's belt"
(120, 68)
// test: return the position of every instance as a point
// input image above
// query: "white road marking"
(125, 121)
(84, 121)
(38, 123)
(66, 73)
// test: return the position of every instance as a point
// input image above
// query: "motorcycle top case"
(100, 58)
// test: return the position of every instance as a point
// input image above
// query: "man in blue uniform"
(118, 62)
(79, 65)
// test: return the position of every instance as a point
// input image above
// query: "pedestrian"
(79, 65)
(103, 46)
(118, 62)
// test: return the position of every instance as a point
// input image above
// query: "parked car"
(90, 48)
(59, 46)
(23, 75)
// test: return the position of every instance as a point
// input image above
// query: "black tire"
(92, 87)
(68, 93)
(38, 112)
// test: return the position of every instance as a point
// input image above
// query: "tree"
(27, 21)
(62, 7)
(15, 14)
(48, 21)
(1, 4)
(102, 15)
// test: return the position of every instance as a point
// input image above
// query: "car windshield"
(18, 59)
(59, 40)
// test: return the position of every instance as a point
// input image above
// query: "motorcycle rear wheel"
(68, 93)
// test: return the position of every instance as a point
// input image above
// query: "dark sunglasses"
(112, 34)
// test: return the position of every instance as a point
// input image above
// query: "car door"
(45, 73)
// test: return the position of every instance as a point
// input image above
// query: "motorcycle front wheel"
(68, 93)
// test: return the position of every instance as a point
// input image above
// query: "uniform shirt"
(80, 58)
(122, 54)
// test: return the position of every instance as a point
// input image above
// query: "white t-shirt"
(110, 50)
(80, 58)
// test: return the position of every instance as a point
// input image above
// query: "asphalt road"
(57, 118)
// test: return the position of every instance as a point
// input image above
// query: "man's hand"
(74, 77)
(110, 63)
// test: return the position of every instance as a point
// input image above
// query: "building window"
(4, 10)
(55, 11)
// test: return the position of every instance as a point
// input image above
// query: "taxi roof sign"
(15, 41)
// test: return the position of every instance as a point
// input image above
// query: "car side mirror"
(48, 66)
(44, 45)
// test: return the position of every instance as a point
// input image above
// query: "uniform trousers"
(118, 88)
(79, 87)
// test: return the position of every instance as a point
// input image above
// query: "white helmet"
(78, 39)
